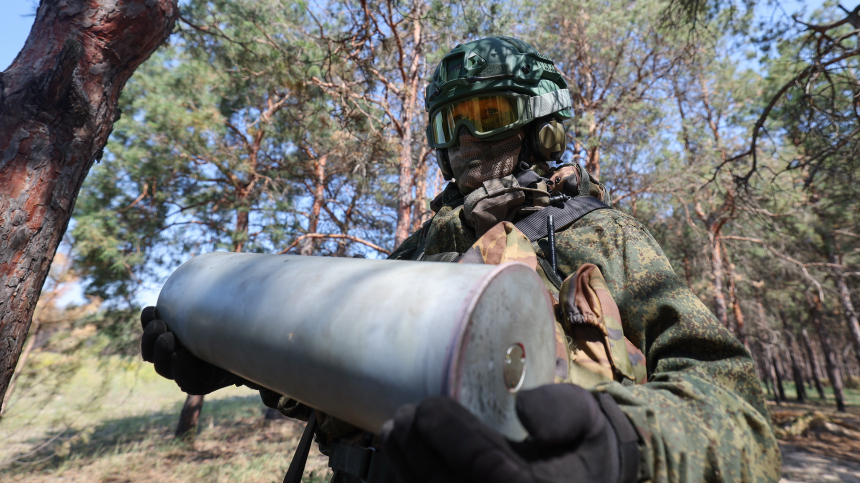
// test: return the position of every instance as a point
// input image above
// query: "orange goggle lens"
(484, 115)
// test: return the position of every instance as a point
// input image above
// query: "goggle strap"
(550, 102)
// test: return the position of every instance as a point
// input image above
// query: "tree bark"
(778, 376)
(829, 353)
(187, 427)
(800, 389)
(58, 103)
(845, 299)
(717, 272)
(421, 203)
(308, 244)
(738, 326)
(410, 109)
(771, 371)
(22, 361)
(688, 270)
(759, 357)
(815, 368)
(592, 160)
(850, 362)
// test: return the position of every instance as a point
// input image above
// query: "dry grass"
(114, 423)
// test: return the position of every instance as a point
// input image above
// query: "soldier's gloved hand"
(571, 439)
(194, 376)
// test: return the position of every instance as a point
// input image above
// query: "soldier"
(652, 388)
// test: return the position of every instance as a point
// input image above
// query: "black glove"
(194, 376)
(572, 438)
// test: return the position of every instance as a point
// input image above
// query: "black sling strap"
(534, 225)
(297, 466)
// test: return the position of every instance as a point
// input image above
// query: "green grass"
(113, 421)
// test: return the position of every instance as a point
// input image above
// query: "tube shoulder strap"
(534, 225)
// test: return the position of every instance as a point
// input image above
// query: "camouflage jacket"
(701, 414)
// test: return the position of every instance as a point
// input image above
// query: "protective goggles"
(486, 116)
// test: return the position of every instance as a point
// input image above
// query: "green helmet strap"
(550, 103)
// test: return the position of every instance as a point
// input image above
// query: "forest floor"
(113, 421)
(818, 443)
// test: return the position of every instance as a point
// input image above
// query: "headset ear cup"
(444, 164)
(560, 140)
(550, 140)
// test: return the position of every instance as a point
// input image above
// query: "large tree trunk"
(829, 353)
(58, 103)
(410, 109)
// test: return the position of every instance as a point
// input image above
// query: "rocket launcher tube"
(358, 338)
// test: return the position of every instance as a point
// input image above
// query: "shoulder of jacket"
(609, 218)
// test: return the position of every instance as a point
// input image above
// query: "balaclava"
(475, 161)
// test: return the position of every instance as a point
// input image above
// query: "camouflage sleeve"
(701, 416)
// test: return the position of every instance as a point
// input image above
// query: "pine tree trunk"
(778, 376)
(410, 109)
(717, 272)
(798, 377)
(420, 212)
(738, 326)
(308, 245)
(844, 292)
(187, 427)
(761, 367)
(829, 353)
(688, 271)
(851, 362)
(58, 103)
(806, 364)
(772, 376)
(815, 369)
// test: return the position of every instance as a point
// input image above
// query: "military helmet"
(494, 87)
